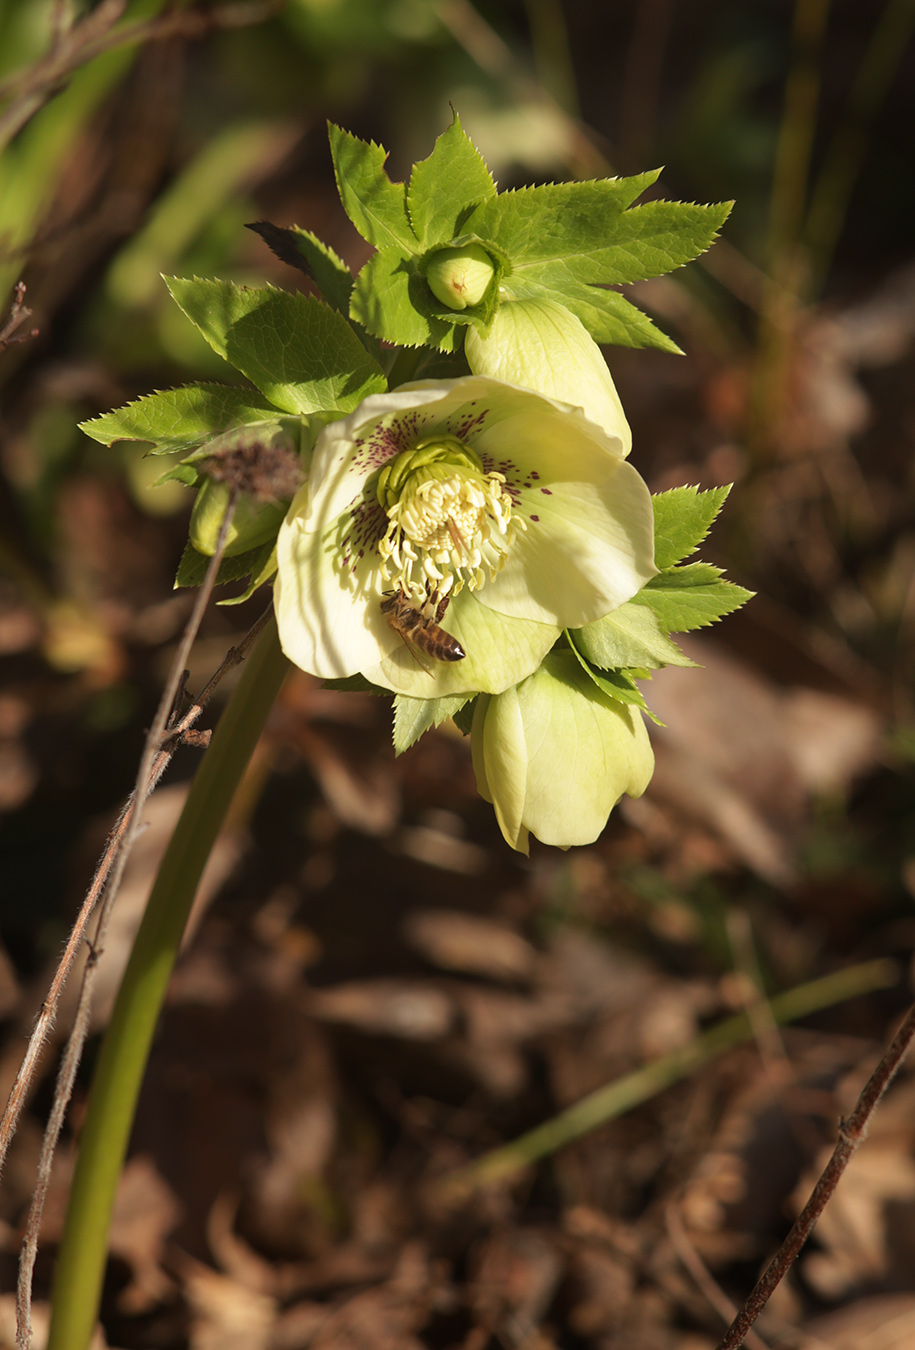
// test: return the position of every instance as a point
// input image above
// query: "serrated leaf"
(302, 355)
(608, 316)
(616, 684)
(585, 228)
(308, 254)
(193, 566)
(682, 518)
(689, 597)
(463, 719)
(557, 220)
(413, 717)
(651, 240)
(630, 636)
(376, 206)
(259, 577)
(444, 188)
(179, 419)
(392, 300)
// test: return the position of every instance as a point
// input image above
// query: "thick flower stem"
(122, 1061)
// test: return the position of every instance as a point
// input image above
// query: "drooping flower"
(554, 755)
(504, 516)
(541, 345)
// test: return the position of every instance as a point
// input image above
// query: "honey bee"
(422, 632)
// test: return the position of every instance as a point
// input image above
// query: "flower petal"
(499, 652)
(589, 545)
(541, 345)
(500, 757)
(329, 616)
(581, 752)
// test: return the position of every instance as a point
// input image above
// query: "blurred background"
(378, 990)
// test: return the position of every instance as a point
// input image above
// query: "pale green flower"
(541, 345)
(515, 508)
(555, 754)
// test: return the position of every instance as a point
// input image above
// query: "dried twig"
(851, 1132)
(19, 312)
(154, 760)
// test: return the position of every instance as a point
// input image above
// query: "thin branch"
(153, 762)
(30, 89)
(852, 1131)
(178, 734)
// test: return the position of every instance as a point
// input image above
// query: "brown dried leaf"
(411, 1009)
(226, 1315)
(470, 943)
(870, 1324)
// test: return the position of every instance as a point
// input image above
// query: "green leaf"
(585, 228)
(694, 596)
(259, 576)
(413, 717)
(179, 419)
(616, 684)
(193, 566)
(300, 354)
(630, 636)
(463, 719)
(682, 518)
(444, 188)
(356, 684)
(652, 239)
(568, 221)
(376, 206)
(309, 254)
(185, 472)
(391, 298)
(607, 315)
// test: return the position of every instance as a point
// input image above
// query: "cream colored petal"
(499, 651)
(582, 751)
(500, 748)
(329, 616)
(541, 345)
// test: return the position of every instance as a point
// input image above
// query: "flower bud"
(460, 277)
(253, 522)
(554, 754)
(541, 345)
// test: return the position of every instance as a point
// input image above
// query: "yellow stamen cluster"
(450, 525)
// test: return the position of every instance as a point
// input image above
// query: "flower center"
(449, 523)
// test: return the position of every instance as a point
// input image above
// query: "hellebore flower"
(555, 754)
(541, 345)
(505, 516)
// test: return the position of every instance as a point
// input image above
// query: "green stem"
(122, 1061)
(634, 1088)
